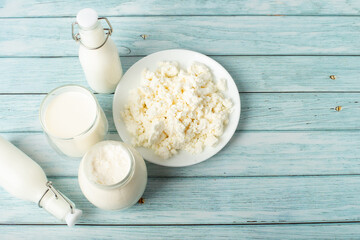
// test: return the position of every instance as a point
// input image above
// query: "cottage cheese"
(174, 109)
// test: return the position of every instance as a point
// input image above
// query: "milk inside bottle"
(98, 54)
(25, 179)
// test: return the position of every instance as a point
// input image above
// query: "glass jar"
(115, 195)
(72, 120)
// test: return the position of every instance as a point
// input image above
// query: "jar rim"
(123, 181)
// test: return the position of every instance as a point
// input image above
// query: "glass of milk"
(72, 120)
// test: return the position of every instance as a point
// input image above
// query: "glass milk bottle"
(25, 179)
(98, 54)
(72, 120)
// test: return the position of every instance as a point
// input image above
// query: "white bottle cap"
(87, 18)
(71, 218)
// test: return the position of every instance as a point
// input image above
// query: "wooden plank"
(288, 111)
(275, 232)
(217, 35)
(21, 8)
(260, 111)
(251, 73)
(212, 201)
(247, 154)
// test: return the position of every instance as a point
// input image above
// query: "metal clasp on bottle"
(56, 194)
(77, 36)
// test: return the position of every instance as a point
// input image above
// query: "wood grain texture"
(272, 232)
(217, 35)
(296, 163)
(247, 154)
(260, 111)
(23, 8)
(251, 73)
(212, 201)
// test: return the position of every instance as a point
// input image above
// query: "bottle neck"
(92, 37)
(59, 205)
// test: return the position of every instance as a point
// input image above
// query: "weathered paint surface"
(291, 171)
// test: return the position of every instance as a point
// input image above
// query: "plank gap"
(209, 55)
(234, 177)
(190, 15)
(187, 225)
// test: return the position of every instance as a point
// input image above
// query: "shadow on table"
(158, 178)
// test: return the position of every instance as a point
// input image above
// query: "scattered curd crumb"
(221, 84)
(176, 109)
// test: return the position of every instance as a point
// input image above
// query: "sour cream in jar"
(112, 175)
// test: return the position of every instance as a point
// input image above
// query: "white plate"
(132, 79)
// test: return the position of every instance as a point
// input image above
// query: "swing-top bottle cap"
(59, 205)
(87, 18)
(71, 218)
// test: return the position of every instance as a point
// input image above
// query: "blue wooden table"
(292, 169)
